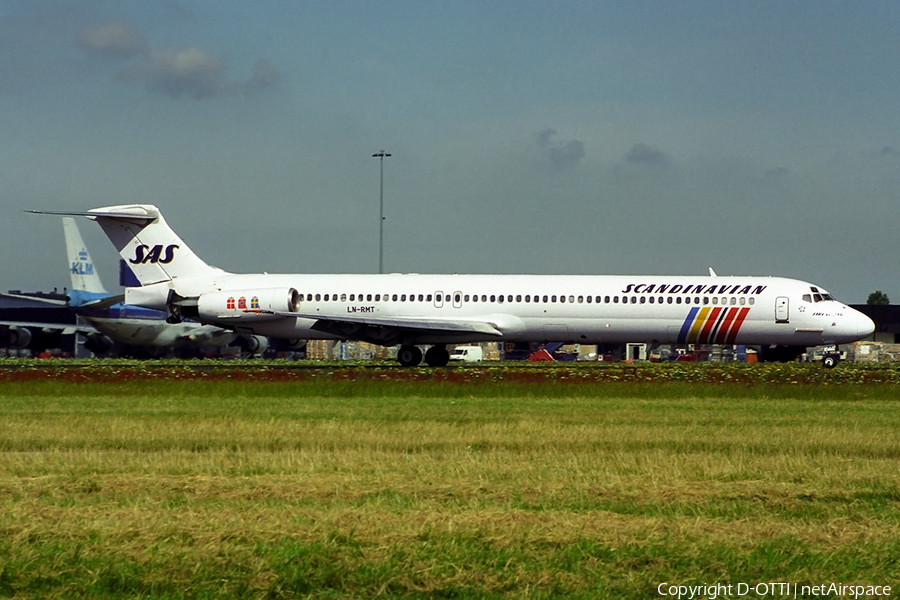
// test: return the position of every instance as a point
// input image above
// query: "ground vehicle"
(467, 353)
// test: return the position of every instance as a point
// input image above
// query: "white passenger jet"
(436, 310)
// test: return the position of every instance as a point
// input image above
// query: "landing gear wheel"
(830, 362)
(409, 356)
(437, 356)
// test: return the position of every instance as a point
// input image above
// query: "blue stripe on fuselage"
(686, 327)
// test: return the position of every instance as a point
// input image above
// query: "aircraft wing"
(391, 330)
(65, 328)
(104, 302)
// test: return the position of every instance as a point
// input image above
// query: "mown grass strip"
(223, 488)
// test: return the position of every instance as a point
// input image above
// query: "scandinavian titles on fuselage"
(665, 288)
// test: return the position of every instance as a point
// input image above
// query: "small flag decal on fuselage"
(712, 325)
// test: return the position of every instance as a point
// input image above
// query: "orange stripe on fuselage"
(698, 324)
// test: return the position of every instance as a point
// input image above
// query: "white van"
(467, 353)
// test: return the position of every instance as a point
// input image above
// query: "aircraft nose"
(852, 326)
(864, 325)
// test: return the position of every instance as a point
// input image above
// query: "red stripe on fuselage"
(707, 327)
(723, 330)
(732, 335)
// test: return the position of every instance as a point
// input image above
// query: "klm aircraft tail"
(152, 250)
(86, 284)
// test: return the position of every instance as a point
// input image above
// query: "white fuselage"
(585, 309)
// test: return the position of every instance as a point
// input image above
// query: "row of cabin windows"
(715, 300)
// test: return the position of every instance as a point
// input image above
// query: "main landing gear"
(436, 356)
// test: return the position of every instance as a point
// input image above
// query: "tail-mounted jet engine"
(245, 306)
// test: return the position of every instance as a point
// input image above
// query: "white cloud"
(114, 39)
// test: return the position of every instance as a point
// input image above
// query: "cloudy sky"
(579, 137)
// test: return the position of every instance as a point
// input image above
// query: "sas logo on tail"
(144, 254)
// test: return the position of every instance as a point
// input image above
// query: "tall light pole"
(381, 155)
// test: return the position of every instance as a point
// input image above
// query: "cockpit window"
(817, 295)
(807, 298)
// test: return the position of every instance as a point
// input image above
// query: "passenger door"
(781, 310)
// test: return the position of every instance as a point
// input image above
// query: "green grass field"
(210, 489)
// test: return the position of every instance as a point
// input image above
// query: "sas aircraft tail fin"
(152, 250)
